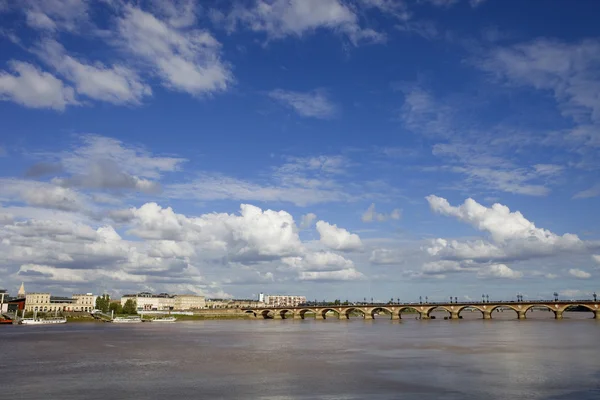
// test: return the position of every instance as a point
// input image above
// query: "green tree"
(130, 307)
(116, 307)
(103, 303)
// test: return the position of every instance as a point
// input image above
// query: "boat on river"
(43, 321)
(126, 320)
(164, 319)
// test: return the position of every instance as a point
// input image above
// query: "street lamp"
(456, 300)
(594, 297)
(371, 300)
(450, 299)
(420, 300)
(487, 297)
(426, 299)
(483, 298)
(555, 296)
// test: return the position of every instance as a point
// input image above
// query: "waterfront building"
(44, 302)
(146, 301)
(283, 300)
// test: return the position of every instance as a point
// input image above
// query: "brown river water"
(538, 358)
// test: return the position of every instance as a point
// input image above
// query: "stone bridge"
(423, 311)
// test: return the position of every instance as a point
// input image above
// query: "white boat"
(164, 319)
(44, 321)
(126, 320)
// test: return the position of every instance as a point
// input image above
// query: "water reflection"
(538, 358)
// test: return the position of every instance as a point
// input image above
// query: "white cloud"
(253, 235)
(34, 88)
(499, 271)
(319, 261)
(371, 215)
(178, 13)
(116, 84)
(594, 191)
(596, 258)
(313, 104)
(41, 194)
(56, 14)
(104, 163)
(338, 238)
(513, 236)
(186, 60)
(342, 275)
(307, 220)
(580, 274)
(281, 18)
(565, 69)
(499, 222)
(476, 3)
(386, 257)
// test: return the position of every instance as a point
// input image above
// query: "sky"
(336, 149)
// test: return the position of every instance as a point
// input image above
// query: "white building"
(283, 301)
(164, 302)
(44, 302)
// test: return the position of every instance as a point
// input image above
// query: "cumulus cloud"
(34, 88)
(43, 168)
(502, 224)
(499, 271)
(513, 238)
(580, 274)
(253, 235)
(386, 257)
(371, 215)
(281, 18)
(313, 104)
(307, 220)
(186, 60)
(319, 261)
(338, 238)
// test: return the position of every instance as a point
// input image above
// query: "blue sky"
(330, 148)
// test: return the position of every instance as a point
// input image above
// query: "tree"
(130, 307)
(116, 307)
(103, 303)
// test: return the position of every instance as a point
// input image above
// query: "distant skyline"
(326, 148)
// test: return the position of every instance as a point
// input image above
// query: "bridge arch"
(265, 314)
(381, 308)
(285, 314)
(501, 307)
(472, 307)
(324, 312)
(409, 309)
(302, 312)
(573, 308)
(442, 308)
(350, 310)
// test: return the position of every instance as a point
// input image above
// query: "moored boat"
(126, 320)
(43, 321)
(164, 319)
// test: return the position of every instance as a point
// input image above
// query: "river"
(283, 360)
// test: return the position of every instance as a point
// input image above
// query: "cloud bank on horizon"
(329, 148)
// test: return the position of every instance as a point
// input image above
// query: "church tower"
(21, 293)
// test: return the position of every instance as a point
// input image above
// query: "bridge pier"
(454, 315)
(368, 316)
(521, 314)
(319, 315)
(597, 314)
(424, 316)
(276, 315)
(558, 314)
(297, 316)
(395, 316)
(487, 315)
(342, 315)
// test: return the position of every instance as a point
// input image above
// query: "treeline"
(104, 304)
